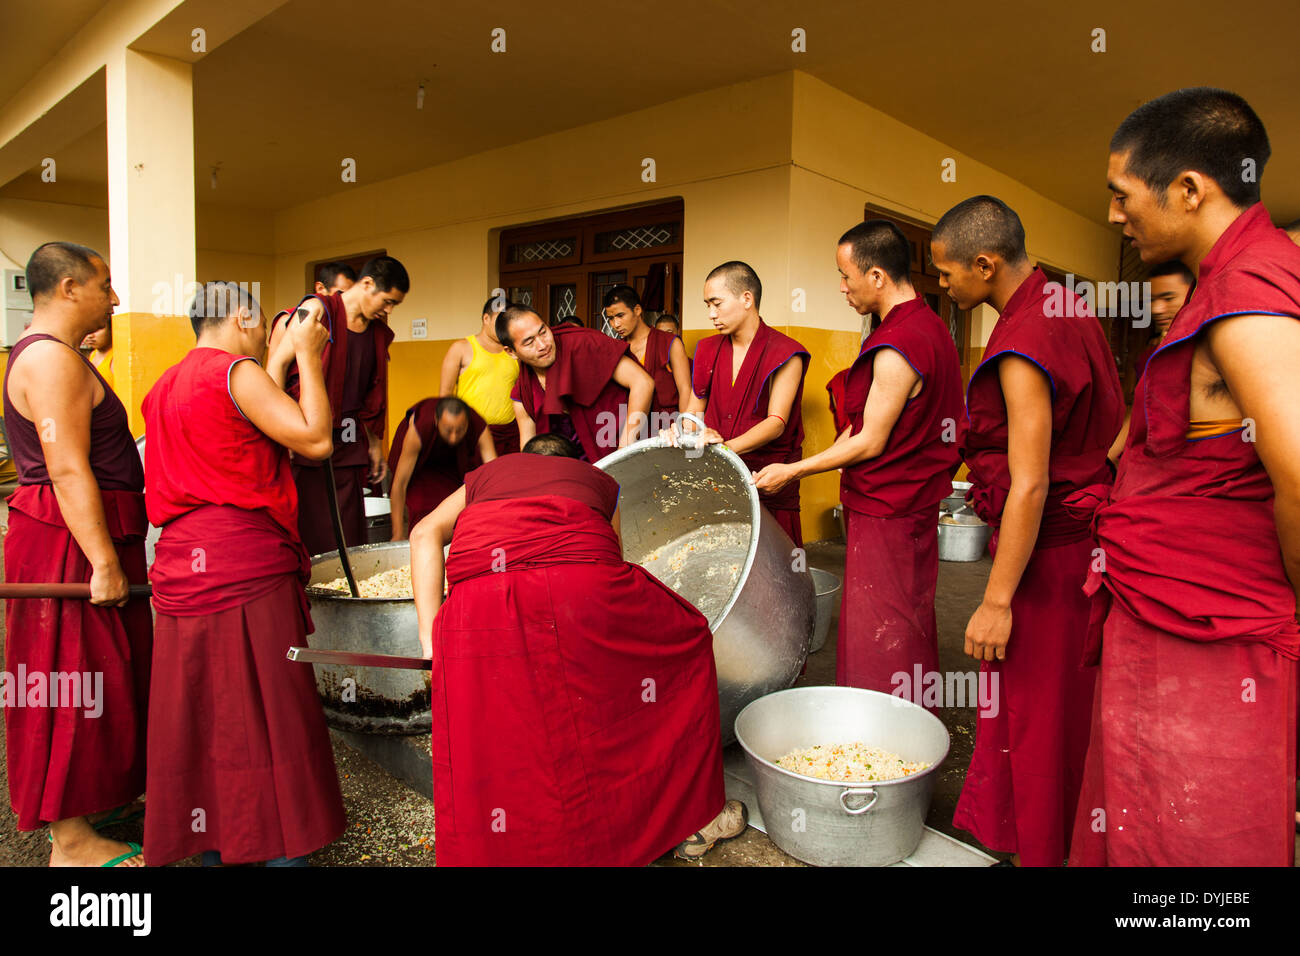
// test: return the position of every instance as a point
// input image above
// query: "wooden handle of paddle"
(62, 589)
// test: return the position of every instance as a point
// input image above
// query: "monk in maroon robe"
(75, 716)
(439, 442)
(240, 763)
(577, 383)
(356, 378)
(566, 730)
(1043, 408)
(659, 353)
(835, 398)
(1193, 752)
(748, 385)
(898, 455)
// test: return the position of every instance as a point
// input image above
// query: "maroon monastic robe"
(440, 468)
(835, 397)
(735, 407)
(887, 623)
(566, 730)
(351, 450)
(235, 730)
(658, 352)
(1193, 752)
(580, 384)
(1024, 778)
(67, 757)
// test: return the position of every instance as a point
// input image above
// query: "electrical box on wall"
(17, 306)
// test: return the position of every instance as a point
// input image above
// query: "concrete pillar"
(150, 108)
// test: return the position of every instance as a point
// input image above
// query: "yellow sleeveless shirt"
(485, 384)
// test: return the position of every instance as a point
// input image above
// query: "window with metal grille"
(544, 250)
(637, 237)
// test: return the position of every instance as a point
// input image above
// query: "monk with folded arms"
(1193, 753)
(660, 353)
(77, 516)
(1043, 407)
(566, 730)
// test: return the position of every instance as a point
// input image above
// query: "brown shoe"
(731, 822)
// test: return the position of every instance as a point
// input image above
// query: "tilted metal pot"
(691, 518)
(379, 700)
(830, 823)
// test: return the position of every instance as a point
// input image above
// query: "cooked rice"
(854, 763)
(393, 583)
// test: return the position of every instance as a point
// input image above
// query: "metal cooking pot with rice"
(869, 823)
(692, 518)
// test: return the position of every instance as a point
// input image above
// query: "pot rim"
(755, 509)
(910, 778)
(315, 591)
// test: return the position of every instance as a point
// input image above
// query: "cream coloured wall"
(859, 154)
(237, 245)
(439, 221)
(26, 224)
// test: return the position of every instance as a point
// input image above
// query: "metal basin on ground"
(829, 823)
(693, 520)
(384, 700)
(828, 598)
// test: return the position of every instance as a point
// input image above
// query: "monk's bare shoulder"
(56, 369)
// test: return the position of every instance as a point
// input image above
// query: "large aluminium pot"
(691, 518)
(826, 823)
(379, 700)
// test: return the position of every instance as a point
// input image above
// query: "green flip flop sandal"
(135, 851)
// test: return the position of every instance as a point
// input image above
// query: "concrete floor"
(391, 825)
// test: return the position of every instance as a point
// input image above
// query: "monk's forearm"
(426, 579)
(278, 369)
(850, 451)
(397, 502)
(639, 397)
(82, 507)
(768, 430)
(314, 401)
(1017, 536)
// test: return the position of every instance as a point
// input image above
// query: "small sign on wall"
(419, 328)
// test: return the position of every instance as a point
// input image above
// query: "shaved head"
(511, 313)
(981, 224)
(217, 301)
(53, 262)
(880, 243)
(739, 278)
(549, 443)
